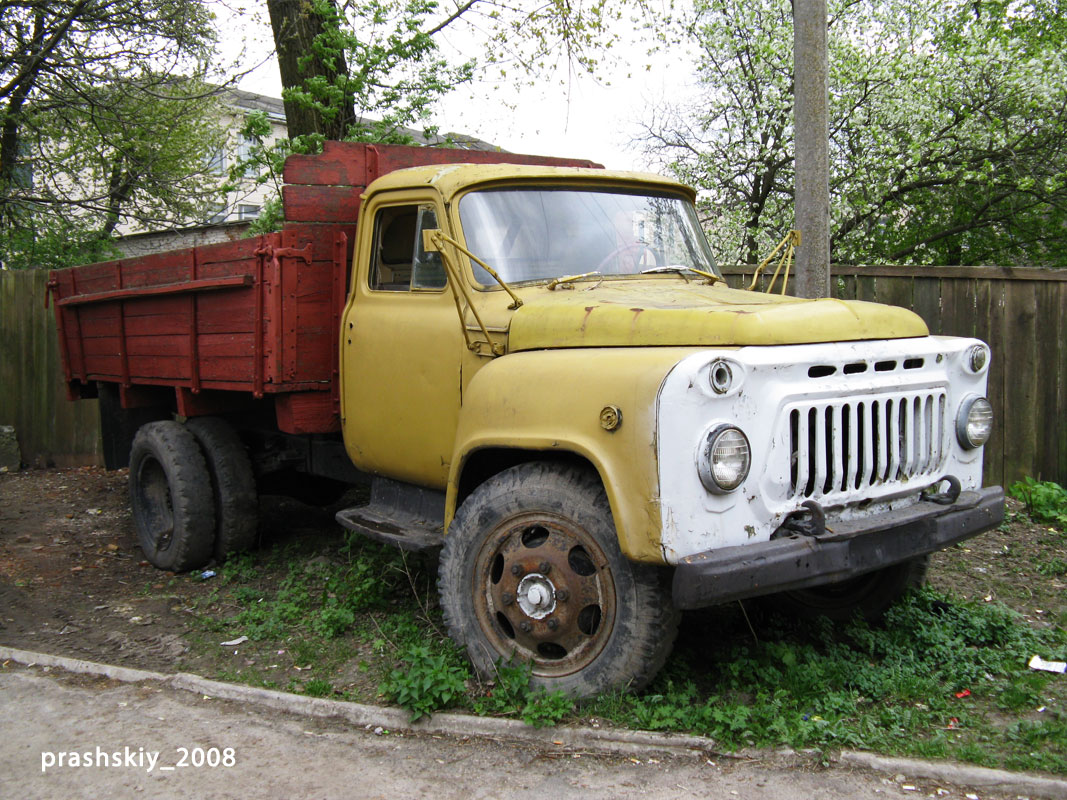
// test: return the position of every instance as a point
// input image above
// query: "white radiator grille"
(845, 446)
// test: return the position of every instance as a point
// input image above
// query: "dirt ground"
(74, 582)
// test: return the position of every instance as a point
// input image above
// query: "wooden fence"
(1022, 313)
(50, 429)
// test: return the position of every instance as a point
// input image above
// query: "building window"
(216, 162)
(219, 212)
(247, 212)
(244, 147)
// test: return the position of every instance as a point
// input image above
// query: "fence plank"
(1048, 421)
(1020, 386)
(989, 327)
(50, 430)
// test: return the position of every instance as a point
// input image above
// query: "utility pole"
(812, 138)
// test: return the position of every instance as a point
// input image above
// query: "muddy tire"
(869, 595)
(233, 485)
(531, 570)
(171, 497)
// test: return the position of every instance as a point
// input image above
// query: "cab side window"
(400, 262)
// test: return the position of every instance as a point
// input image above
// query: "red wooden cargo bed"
(211, 329)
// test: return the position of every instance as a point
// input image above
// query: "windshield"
(540, 234)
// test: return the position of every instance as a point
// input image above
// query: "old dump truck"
(539, 369)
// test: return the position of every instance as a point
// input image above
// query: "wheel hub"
(537, 596)
(546, 594)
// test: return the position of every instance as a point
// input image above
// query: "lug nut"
(516, 569)
(545, 567)
(563, 595)
(553, 624)
(525, 626)
(507, 598)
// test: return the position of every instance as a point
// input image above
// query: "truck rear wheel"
(869, 595)
(531, 570)
(233, 485)
(171, 498)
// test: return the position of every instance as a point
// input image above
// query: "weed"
(427, 683)
(239, 568)
(1053, 568)
(1046, 501)
(892, 688)
(317, 687)
(543, 709)
(510, 693)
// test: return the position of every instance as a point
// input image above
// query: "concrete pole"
(811, 122)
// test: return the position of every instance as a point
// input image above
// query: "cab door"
(402, 347)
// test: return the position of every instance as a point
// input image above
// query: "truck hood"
(658, 312)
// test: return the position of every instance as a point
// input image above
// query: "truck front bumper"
(849, 549)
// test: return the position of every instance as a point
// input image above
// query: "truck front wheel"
(171, 498)
(531, 570)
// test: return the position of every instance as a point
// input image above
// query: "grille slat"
(840, 447)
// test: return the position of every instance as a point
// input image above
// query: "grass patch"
(937, 679)
(941, 678)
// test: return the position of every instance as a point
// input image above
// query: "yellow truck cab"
(542, 373)
(602, 410)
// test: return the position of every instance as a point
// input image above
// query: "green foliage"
(109, 121)
(948, 130)
(325, 597)
(317, 687)
(510, 694)
(890, 688)
(1046, 501)
(544, 709)
(427, 682)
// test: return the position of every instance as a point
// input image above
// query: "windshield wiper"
(565, 279)
(711, 276)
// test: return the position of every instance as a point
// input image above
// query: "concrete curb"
(608, 742)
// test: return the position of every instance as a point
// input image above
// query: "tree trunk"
(295, 25)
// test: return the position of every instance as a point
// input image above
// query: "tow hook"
(945, 498)
(808, 520)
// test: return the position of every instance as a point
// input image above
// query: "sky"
(578, 118)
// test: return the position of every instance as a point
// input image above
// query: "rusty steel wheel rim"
(544, 593)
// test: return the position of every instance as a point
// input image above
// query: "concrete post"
(812, 133)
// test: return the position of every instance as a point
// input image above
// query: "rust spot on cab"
(588, 311)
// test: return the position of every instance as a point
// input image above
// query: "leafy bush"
(1046, 501)
(510, 693)
(428, 682)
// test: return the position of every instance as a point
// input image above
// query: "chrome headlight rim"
(964, 421)
(706, 468)
(976, 358)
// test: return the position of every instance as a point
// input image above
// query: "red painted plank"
(322, 203)
(184, 287)
(353, 164)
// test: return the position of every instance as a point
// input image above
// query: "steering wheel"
(638, 247)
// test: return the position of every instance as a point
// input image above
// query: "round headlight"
(724, 459)
(977, 357)
(974, 424)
